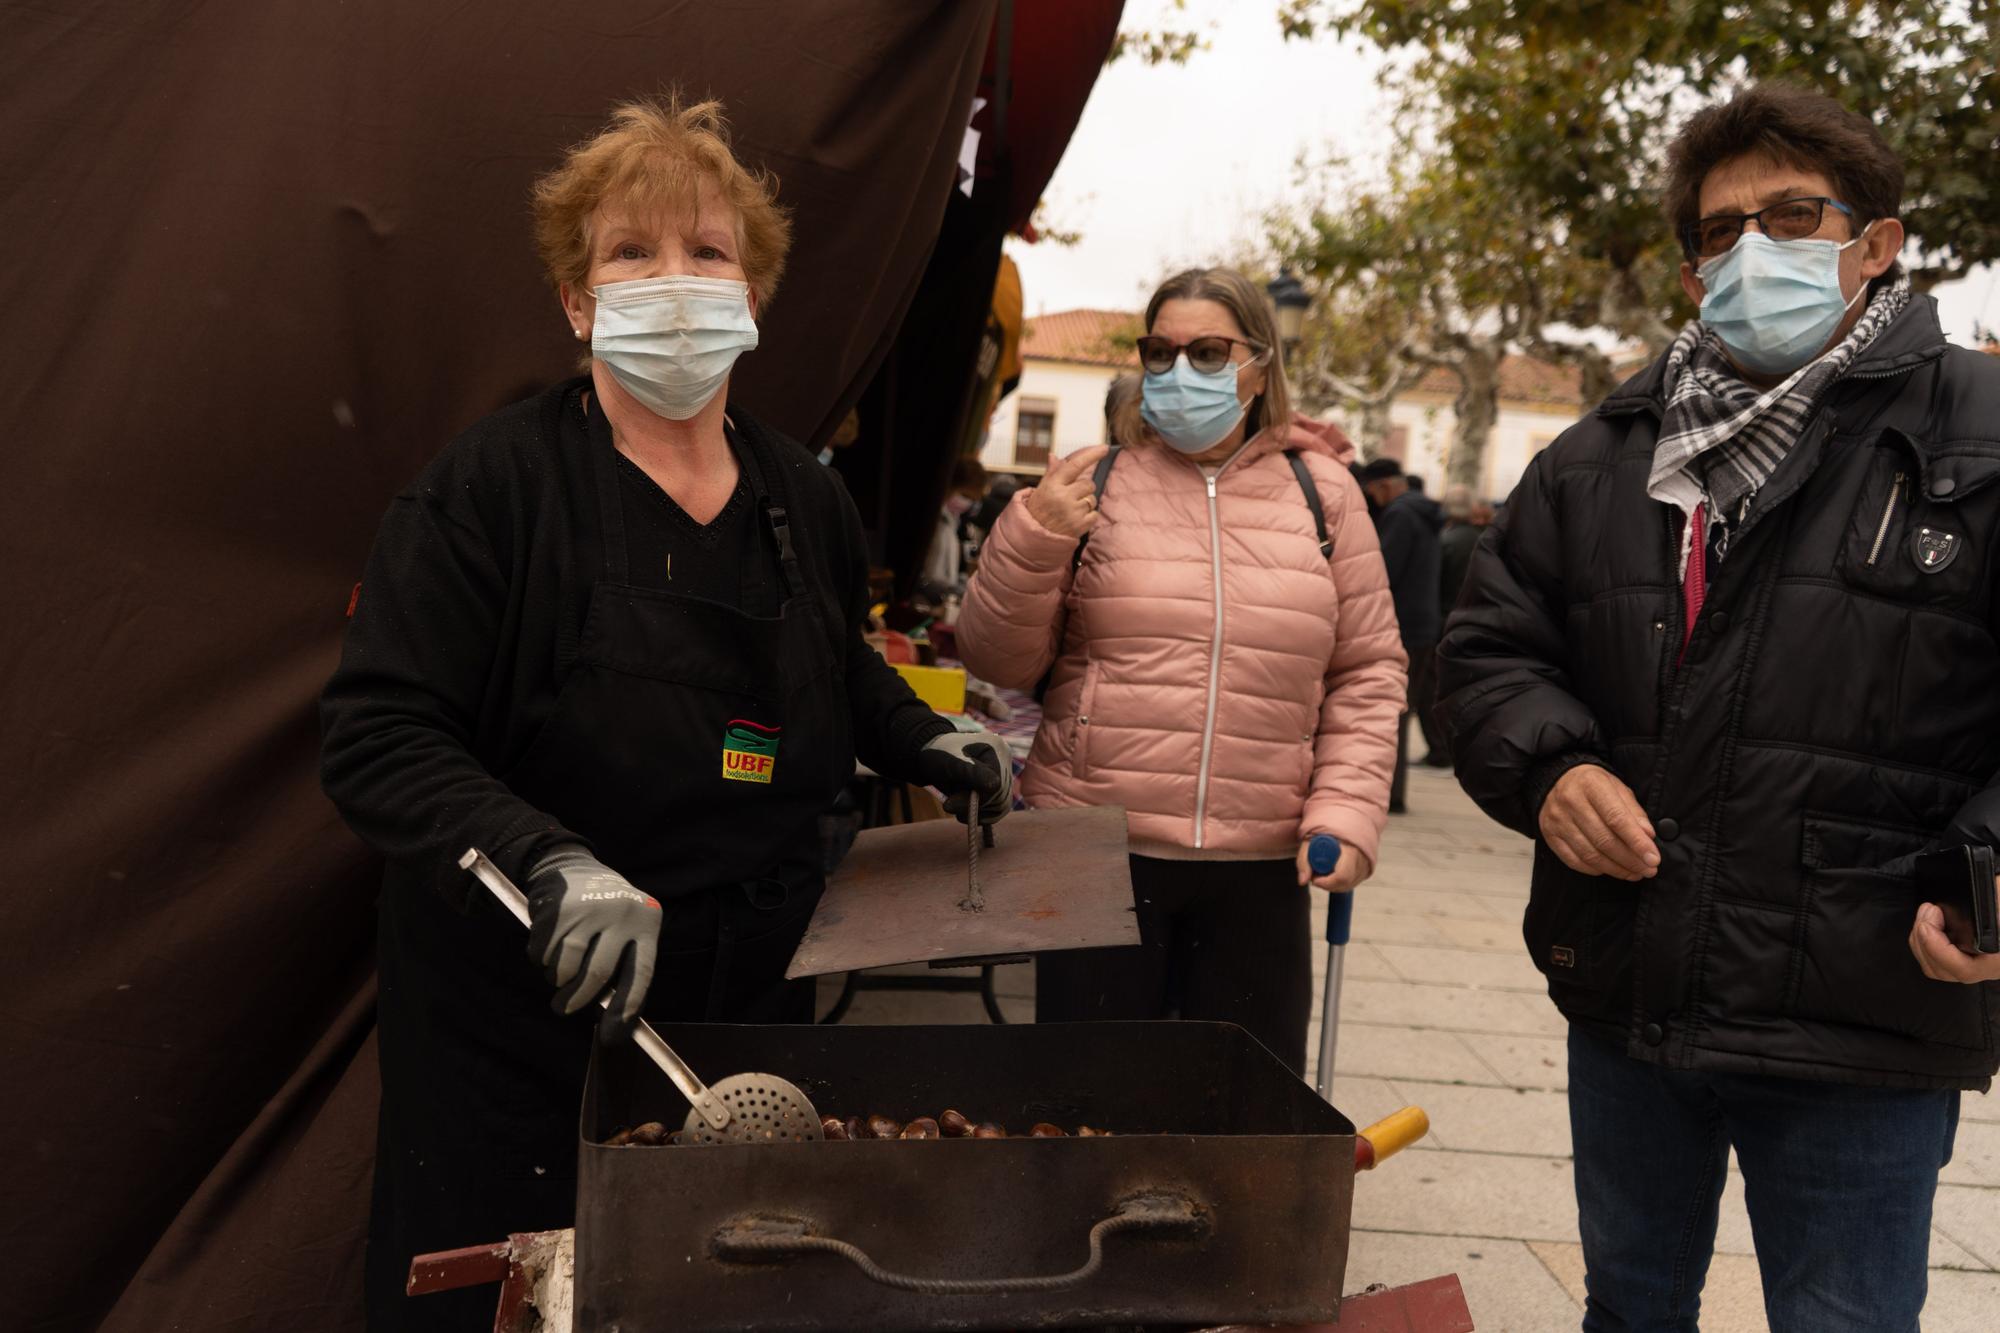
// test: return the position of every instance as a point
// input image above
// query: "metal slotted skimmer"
(743, 1108)
(763, 1108)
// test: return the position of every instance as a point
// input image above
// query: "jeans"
(1838, 1181)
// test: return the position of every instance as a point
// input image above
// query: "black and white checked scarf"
(1722, 438)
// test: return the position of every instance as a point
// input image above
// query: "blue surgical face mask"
(670, 342)
(1775, 303)
(1190, 410)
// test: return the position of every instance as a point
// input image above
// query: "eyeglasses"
(1206, 355)
(1791, 220)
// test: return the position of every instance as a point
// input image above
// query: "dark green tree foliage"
(1573, 101)
(1543, 125)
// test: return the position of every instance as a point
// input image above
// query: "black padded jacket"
(1836, 709)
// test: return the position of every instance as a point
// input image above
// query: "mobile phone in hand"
(1960, 880)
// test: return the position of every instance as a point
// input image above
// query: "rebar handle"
(755, 1239)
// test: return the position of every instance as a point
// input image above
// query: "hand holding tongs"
(698, 1094)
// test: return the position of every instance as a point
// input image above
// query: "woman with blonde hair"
(1222, 660)
(612, 638)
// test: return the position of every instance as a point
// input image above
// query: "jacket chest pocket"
(1920, 531)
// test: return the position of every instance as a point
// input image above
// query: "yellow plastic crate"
(943, 688)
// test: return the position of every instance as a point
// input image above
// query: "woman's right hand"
(1066, 501)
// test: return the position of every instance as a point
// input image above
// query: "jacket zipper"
(1888, 514)
(1214, 662)
(1214, 648)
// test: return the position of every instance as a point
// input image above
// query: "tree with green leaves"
(1413, 273)
(1573, 102)
(1563, 109)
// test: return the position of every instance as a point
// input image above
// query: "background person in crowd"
(844, 435)
(1408, 522)
(587, 644)
(1000, 493)
(1211, 668)
(1465, 518)
(944, 566)
(1729, 656)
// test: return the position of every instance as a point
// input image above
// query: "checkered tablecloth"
(1018, 728)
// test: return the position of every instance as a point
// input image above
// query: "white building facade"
(1425, 428)
(1069, 359)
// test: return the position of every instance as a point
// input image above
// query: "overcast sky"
(1176, 165)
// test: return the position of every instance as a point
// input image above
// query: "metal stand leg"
(846, 1001)
(858, 981)
(986, 994)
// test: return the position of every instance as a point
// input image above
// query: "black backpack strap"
(1312, 501)
(1098, 479)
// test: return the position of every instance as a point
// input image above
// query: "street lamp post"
(1289, 298)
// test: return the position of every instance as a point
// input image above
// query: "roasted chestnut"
(882, 1127)
(832, 1127)
(857, 1128)
(954, 1125)
(1047, 1131)
(649, 1135)
(619, 1140)
(988, 1130)
(923, 1127)
(1086, 1132)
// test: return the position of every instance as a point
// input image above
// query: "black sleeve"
(1399, 532)
(890, 723)
(398, 717)
(1503, 671)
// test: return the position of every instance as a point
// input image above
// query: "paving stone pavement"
(1441, 1008)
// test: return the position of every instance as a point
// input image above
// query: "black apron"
(696, 747)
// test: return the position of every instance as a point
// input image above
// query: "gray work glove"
(959, 763)
(590, 929)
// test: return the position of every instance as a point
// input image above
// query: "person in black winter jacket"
(1466, 520)
(1408, 522)
(1732, 656)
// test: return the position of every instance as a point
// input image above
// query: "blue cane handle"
(1322, 855)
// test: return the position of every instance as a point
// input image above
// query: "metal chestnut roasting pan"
(1224, 1194)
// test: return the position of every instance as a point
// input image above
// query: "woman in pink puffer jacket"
(1210, 669)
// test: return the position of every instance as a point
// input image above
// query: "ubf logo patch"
(749, 751)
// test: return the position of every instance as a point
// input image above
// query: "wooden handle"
(1389, 1136)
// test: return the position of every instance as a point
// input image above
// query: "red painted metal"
(449, 1269)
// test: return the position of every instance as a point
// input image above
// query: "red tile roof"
(1089, 337)
(1523, 379)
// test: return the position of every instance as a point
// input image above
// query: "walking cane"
(1322, 855)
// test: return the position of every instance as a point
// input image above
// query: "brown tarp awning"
(929, 402)
(266, 257)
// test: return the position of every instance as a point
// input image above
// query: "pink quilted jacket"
(1214, 674)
